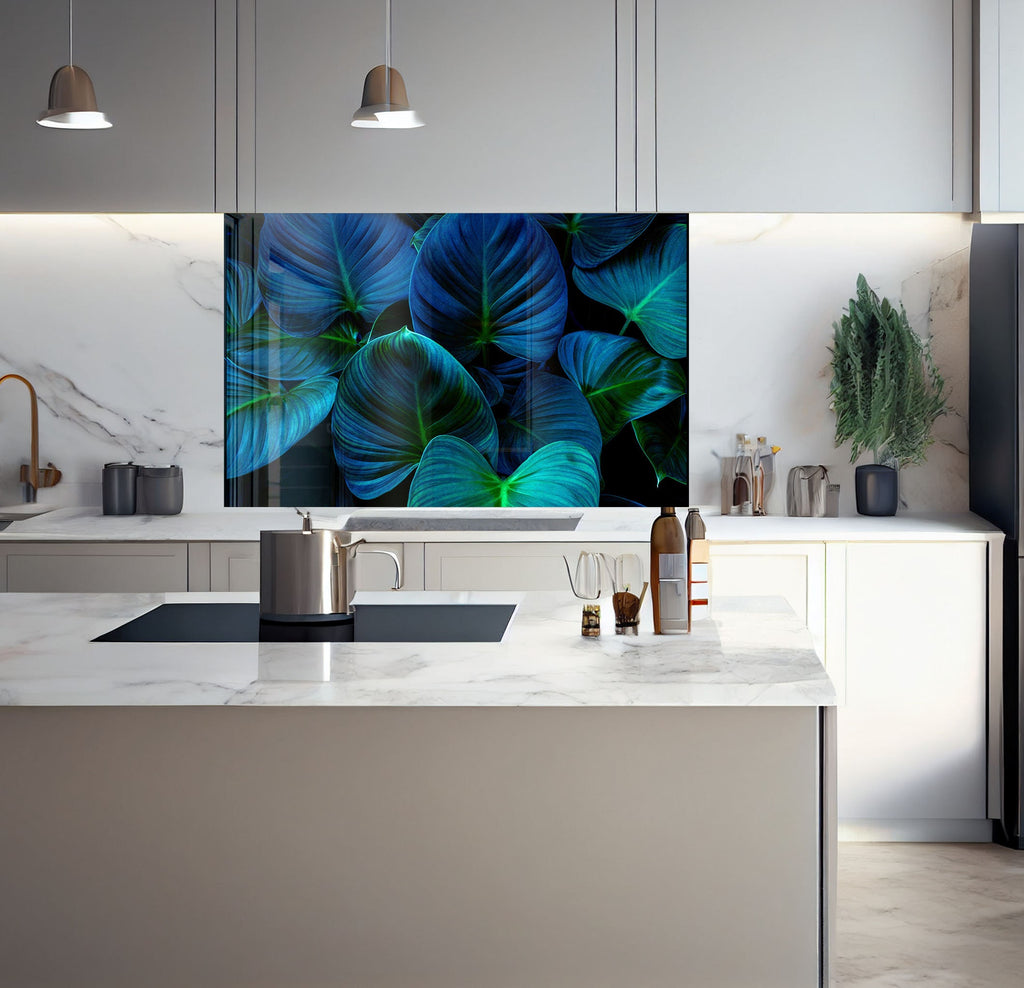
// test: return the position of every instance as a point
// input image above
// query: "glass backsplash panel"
(456, 359)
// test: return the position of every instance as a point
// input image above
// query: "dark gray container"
(878, 491)
(160, 490)
(119, 481)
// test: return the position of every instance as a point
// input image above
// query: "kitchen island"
(544, 810)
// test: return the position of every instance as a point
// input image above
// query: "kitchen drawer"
(100, 567)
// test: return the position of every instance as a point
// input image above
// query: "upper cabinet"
(529, 105)
(800, 105)
(518, 98)
(999, 106)
(153, 69)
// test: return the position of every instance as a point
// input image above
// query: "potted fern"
(886, 393)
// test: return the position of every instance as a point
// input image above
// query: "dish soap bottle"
(668, 573)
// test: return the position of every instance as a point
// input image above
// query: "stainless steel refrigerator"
(996, 465)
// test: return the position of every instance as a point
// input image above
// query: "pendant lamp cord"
(387, 53)
(71, 32)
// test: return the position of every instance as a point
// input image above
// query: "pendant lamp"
(72, 103)
(385, 102)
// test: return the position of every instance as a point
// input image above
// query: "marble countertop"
(405, 525)
(752, 652)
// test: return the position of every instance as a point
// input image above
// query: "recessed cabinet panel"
(81, 567)
(1010, 107)
(153, 69)
(912, 733)
(801, 105)
(513, 565)
(518, 101)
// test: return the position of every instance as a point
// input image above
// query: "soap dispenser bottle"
(668, 573)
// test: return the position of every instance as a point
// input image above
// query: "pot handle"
(394, 558)
(341, 547)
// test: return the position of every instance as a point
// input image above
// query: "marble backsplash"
(118, 322)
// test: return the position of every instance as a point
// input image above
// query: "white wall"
(117, 321)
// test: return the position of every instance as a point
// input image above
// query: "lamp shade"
(376, 110)
(72, 103)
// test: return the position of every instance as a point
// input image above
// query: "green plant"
(886, 391)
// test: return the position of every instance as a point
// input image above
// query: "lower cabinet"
(794, 571)
(513, 565)
(94, 567)
(912, 749)
(235, 566)
(902, 628)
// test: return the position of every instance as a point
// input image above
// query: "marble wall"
(764, 292)
(117, 321)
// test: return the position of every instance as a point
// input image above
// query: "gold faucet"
(30, 476)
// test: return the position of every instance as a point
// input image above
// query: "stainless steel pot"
(305, 573)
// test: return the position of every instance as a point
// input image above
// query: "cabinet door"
(793, 571)
(153, 69)
(100, 567)
(1000, 105)
(518, 101)
(911, 742)
(513, 565)
(236, 566)
(807, 106)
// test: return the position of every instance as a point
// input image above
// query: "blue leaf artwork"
(456, 359)
(664, 441)
(263, 350)
(266, 419)
(545, 409)
(560, 474)
(647, 283)
(620, 378)
(595, 237)
(396, 394)
(241, 293)
(485, 282)
(316, 269)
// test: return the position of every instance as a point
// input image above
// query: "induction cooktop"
(240, 622)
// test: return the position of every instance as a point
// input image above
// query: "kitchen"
(141, 258)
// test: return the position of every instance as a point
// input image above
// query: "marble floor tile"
(942, 915)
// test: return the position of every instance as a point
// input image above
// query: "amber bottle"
(668, 573)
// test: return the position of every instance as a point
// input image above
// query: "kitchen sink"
(18, 512)
(240, 622)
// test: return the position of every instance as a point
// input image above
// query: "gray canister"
(160, 490)
(119, 488)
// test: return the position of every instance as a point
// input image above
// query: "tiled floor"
(941, 915)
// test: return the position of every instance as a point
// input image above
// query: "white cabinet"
(807, 106)
(519, 101)
(999, 105)
(94, 567)
(513, 565)
(912, 734)
(236, 566)
(794, 571)
(153, 69)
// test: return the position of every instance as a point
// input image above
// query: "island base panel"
(441, 847)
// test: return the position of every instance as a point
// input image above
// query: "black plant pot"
(878, 489)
